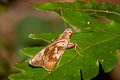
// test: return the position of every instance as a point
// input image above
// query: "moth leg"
(70, 45)
(77, 50)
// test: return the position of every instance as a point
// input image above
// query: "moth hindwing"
(48, 56)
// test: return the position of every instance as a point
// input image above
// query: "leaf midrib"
(94, 10)
(85, 9)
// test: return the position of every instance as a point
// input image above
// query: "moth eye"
(69, 33)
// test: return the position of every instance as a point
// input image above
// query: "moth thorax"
(65, 36)
(68, 31)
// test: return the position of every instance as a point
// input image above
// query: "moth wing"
(48, 56)
(55, 52)
(42, 57)
(38, 59)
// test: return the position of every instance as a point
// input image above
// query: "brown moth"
(48, 56)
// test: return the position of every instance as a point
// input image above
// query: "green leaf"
(98, 43)
(31, 51)
(44, 36)
(106, 10)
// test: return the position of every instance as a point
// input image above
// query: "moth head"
(68, 31)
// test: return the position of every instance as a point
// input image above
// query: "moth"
(49, 55)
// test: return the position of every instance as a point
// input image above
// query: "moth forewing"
(48, 56)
